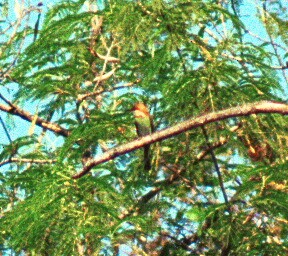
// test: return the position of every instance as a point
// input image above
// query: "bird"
(144, 125)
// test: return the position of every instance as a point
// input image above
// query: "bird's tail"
(147, 160)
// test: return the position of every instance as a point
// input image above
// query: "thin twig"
(26, 160)
(273, 43)
(102, 90)
(162, 184)
(216, 166)
(5, 130)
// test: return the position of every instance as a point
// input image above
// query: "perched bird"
(143, 123)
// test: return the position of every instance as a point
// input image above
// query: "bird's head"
(140, 110)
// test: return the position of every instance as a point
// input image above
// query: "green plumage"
(143, 127)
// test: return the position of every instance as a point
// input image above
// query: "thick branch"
(14, 110)
(244, 110)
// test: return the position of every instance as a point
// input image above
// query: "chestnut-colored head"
(140, 107)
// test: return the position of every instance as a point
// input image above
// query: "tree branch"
(107, 58)
(216, 165)
(244, 110)
(159, 186)
(5, 130)
(26, 160)
(162, 184)
(15, 110)
(81, 97)
(104, 77)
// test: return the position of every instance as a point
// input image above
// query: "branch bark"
(14, 110)
(244, 110)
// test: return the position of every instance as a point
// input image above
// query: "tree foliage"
(219, 189)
